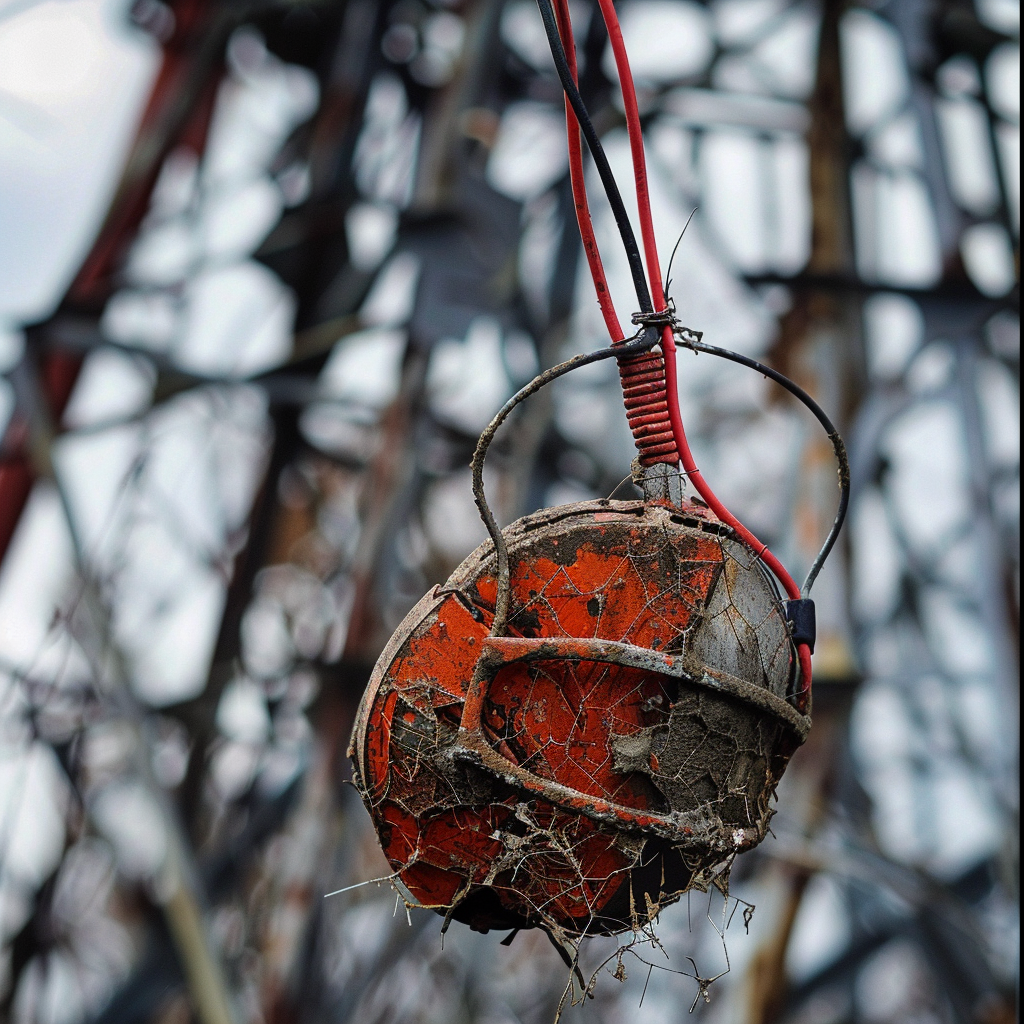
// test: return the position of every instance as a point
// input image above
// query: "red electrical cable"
(579, 191)
(636, 144)
(642, 377)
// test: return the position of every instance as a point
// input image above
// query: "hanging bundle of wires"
(591, 716)
(649, 378)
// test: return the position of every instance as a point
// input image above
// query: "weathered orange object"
(620, 745)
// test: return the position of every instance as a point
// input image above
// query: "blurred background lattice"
(267, 267)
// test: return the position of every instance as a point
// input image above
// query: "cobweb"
(472, 845)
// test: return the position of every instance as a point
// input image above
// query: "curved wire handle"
(644, 342)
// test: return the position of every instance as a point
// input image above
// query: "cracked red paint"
(602, 758)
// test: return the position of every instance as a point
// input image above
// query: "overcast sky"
(73, 78)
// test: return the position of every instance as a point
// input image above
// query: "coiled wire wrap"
(646, 400)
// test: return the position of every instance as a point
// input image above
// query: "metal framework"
(340, 241)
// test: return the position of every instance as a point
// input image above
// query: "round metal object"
(620, 745)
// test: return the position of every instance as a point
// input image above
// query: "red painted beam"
(179, 111)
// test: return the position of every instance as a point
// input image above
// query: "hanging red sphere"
(617, 747)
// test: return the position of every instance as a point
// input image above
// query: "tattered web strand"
(675, 249)
(359, 885)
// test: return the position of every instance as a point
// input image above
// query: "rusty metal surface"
(618, 749)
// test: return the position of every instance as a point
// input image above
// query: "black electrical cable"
(636, 265)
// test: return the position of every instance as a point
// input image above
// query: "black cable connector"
(802, 623)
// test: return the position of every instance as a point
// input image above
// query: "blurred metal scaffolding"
(238, 455)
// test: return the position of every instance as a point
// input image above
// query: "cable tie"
(659, 318)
